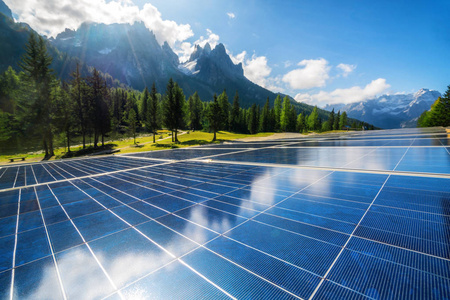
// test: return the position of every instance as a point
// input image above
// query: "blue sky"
(317, 51)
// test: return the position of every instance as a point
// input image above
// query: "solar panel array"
(361, 215)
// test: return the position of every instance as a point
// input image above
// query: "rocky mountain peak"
(198, 51)
(220, 57)
(207, 48)
(214, 63)
(220, 49)
(426, 95)
(173, 58)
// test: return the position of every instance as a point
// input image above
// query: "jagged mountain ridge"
(391, 111)
(215, 68)
(132, 54)
(213, 65)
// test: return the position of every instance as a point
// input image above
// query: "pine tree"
(132, 121)
(169, 107)
(292, 119)
(145, 99)
(285, 114)
(330, 121)
(178, 109)
(152, 114)
(79, 97)
(118, 99)
(343, 120)
(301, 126)
(253, 119)
(131, 102)
(9, 86)
(65, 113)
(326, 125)
(98, 94)
(7, 132)
(12, 112)
(36, 66)
(225, 107)
(265, 122)
(214, 116)
(277, 112)
(235, 114)
(313, 120)
(336, 121)
(243, 115)
(195, 112)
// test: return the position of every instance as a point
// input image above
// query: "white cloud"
(238, 58)
(231, 15)
(257, 70)
(50, 17)
(211, 38)
(350, 95)
(314, 73)
(346, 69)
(164, 30)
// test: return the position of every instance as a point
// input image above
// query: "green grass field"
(143, 143)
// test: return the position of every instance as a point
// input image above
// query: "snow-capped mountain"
(391, 111)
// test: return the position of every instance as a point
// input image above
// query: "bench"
(14, 158)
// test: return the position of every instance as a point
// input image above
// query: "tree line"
(37, 108)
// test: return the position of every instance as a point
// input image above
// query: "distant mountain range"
(390, 111)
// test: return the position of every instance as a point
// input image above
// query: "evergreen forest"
(38, 110)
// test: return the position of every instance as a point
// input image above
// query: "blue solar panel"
(182, 154)
(382, 279)
(332, 217)
(184, 283)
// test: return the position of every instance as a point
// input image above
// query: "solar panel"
(354, 216)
